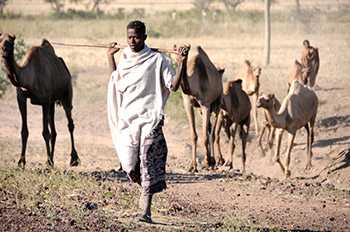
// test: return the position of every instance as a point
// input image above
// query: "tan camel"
(311, 62)
(298, 109)
(45, 79)
(235, 109)
(251, 86)
(267, 124)
(202, 87)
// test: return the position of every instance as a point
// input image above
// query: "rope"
(163, 50)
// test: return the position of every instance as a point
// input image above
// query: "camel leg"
(22, 105)
(205, 128)
(255, 112)
(194, 137)
(291, 137)
(271, 137)
(263, 154)
(308, 146)
(74, 155)
(278, 147)
(220, 160)
(52, 129)
(244, 135)
(212, 139)
(229, 161)
(46, 133)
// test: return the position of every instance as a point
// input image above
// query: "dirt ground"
(318, 199)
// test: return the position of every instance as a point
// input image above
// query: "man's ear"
(145, 37)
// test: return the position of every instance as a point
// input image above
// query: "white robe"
(137, 93)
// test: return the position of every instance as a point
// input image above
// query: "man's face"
(136, 40)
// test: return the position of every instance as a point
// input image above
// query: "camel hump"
(46, 44)
(237, 82)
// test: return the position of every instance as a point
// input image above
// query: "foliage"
(231, 5)
(20, 50)
(202, 5)
(56, 5)
(2, 6)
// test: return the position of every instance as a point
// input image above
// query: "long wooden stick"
(163, 50)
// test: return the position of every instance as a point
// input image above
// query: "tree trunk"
(297, 5)
(267, 32)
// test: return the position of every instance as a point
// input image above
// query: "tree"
(2, 6)
(202, 5)
(56, 5)
(267, 32)
(95, 5)
(231, 5)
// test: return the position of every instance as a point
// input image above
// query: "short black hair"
(306, 43)
(138, 26)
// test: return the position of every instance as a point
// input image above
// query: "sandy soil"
(316, 200)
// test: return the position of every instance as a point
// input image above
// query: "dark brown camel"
(235, 110)
(202, 88)
(44, 79)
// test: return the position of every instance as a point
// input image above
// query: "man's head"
(136, 35)
(306, 43)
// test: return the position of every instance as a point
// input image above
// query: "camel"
(251, 86)
(298, 109)
(268, 125)
(202, 88)
(45, 79)
(235, 109)
(311, 62)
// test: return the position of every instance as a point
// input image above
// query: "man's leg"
(145, 205)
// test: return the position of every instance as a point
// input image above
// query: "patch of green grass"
(54, 193)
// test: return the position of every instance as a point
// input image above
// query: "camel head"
(7, 42)
(266, 101)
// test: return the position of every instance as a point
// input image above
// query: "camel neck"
(13, 71)
(276, 119)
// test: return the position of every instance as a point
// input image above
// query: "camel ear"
(247, 63)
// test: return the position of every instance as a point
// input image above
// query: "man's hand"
(183, 51)
(112, 48)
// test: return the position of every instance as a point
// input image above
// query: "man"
(137, 92)
(310, 61)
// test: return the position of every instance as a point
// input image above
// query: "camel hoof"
(308, 167)
(193, 169)
(50, 163)
(74, 161)
(21, 163)
(288, 173)
(212, 162)
(220, 162)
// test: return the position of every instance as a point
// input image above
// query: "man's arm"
(110, 56)
(181, 67)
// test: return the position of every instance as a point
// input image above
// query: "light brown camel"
(268, 125)
(235, 110)
(251, 85)
(310, 60)
(45, 80)
(298, 109)
(202, 87)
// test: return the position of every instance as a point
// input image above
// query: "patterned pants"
(150, 171)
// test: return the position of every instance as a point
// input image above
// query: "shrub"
(20, 50)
